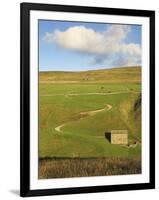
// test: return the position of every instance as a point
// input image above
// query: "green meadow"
(76, 109)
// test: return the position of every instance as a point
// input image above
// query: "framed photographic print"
(87, 99)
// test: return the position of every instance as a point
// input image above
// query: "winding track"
(85, 114)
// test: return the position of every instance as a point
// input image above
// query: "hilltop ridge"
(122, 74)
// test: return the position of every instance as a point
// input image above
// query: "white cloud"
(131, 49)
(99, 44)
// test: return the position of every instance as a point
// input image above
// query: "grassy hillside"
(131, 114)
(77, 108)
(125, 74)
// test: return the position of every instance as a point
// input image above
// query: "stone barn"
(119, 137)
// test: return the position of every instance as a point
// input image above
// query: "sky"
(80, 46)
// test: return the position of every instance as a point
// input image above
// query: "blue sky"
(75, 46)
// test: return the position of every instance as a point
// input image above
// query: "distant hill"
(122, 74)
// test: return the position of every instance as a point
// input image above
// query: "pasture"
(77, 108)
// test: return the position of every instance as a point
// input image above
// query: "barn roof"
(119, 131)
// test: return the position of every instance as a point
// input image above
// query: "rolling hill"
(120, 75)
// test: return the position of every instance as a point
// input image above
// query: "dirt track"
(91, 93)
(86, 114)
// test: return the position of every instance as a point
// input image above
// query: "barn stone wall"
(119, 138)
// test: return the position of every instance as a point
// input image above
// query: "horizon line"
(90, 69)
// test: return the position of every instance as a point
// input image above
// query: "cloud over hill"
(108, 46)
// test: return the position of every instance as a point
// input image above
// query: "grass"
(125, 74)
(83, 167)
(61, 101)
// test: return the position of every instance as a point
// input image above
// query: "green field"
(77, 108)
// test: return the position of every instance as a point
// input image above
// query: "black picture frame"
(25, 9)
